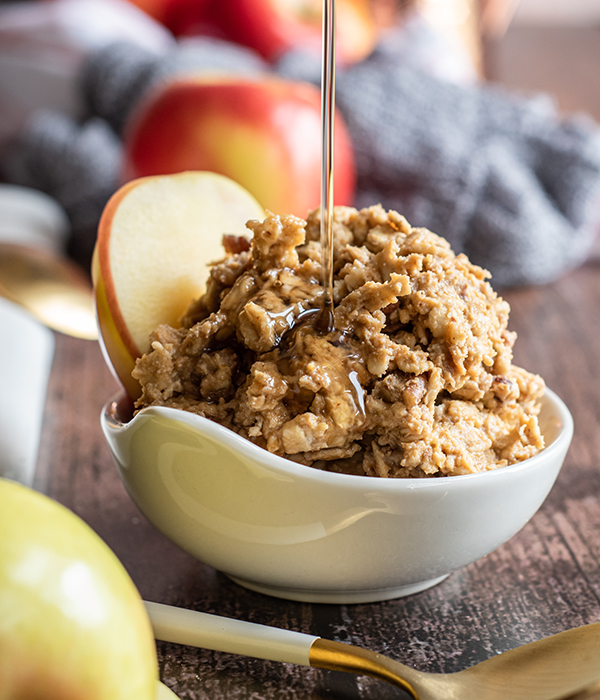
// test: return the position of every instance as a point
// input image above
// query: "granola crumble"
(416, 380)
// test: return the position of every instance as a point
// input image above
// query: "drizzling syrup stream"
(343, 363)
(325, 321)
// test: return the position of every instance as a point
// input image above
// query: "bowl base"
(340, 597)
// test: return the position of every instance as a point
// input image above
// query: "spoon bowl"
(51, 288)
(300, 533)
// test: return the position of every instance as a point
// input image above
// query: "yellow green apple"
(164, 693)
(72, 624)
(264, 133)
(156, 239)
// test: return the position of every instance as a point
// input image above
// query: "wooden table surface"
(544, 580)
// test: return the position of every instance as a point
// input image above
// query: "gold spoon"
(53, 289)
(550, 669)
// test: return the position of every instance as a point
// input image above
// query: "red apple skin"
(264, 134)
(117, 347)
(272, 27)
(174, 14)
(154, 8)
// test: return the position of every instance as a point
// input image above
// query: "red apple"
(272, 27)
(72, 624)
(263, 133)
(177, 15)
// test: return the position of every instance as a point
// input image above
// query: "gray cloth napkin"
(78, 165)
(502, 177)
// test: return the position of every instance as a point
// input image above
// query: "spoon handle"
(207, 631)
(197, 629)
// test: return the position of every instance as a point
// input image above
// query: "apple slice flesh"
(156, 239)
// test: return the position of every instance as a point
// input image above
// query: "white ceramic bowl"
(299, 533)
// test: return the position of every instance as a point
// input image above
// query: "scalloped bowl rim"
(240, 444)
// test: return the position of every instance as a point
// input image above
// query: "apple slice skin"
(118, 348)
(263, 133)
(118, 355)
(73, 626)
(156, 238)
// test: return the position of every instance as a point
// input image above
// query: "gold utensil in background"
(51, 288)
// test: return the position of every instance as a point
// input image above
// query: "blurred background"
(460, 114)
(553, 46)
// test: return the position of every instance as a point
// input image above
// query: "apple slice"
(156, 239)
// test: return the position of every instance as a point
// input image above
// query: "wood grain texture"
(546, 579)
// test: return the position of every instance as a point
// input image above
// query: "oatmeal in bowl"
(412, 378)
(342, 455)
